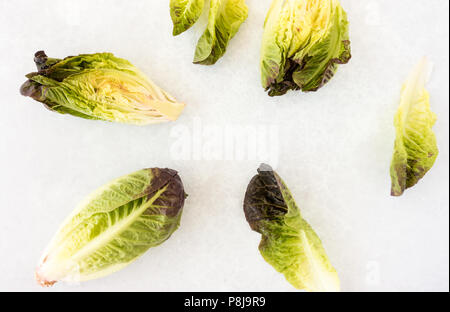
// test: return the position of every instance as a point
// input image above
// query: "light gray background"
(333, 148)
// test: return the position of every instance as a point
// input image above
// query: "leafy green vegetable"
(184, 14)
(114, 226)
(288, 242)
(100, 87)
(303, 43)
(225, 19)
(415, 150)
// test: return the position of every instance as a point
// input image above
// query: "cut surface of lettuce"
(225, 19)
(303, 43)
(185, 13)
(415, 149)
(114, 226)
(288, 242)
(100, 87)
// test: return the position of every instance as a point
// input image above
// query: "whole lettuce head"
(288, 242)
(415, 149)
(303, 43)
(114, 226)
(101, 87)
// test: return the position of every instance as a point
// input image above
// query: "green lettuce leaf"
(225, 19)
(185, 13)
(415, 150)
(288, 242)
(114, 226)
(303, 43)
(100, 87)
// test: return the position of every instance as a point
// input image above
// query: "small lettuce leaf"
(185, 13)
(288, 242)
(225, 19)
(100, 87)
(114, 226)
(415, 149)
(303, 43)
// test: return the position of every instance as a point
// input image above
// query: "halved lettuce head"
(100, 87)
(225, 19)
(415, 149)
(288, 242)
(303, 43)
(184, 14)
(114, 226)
